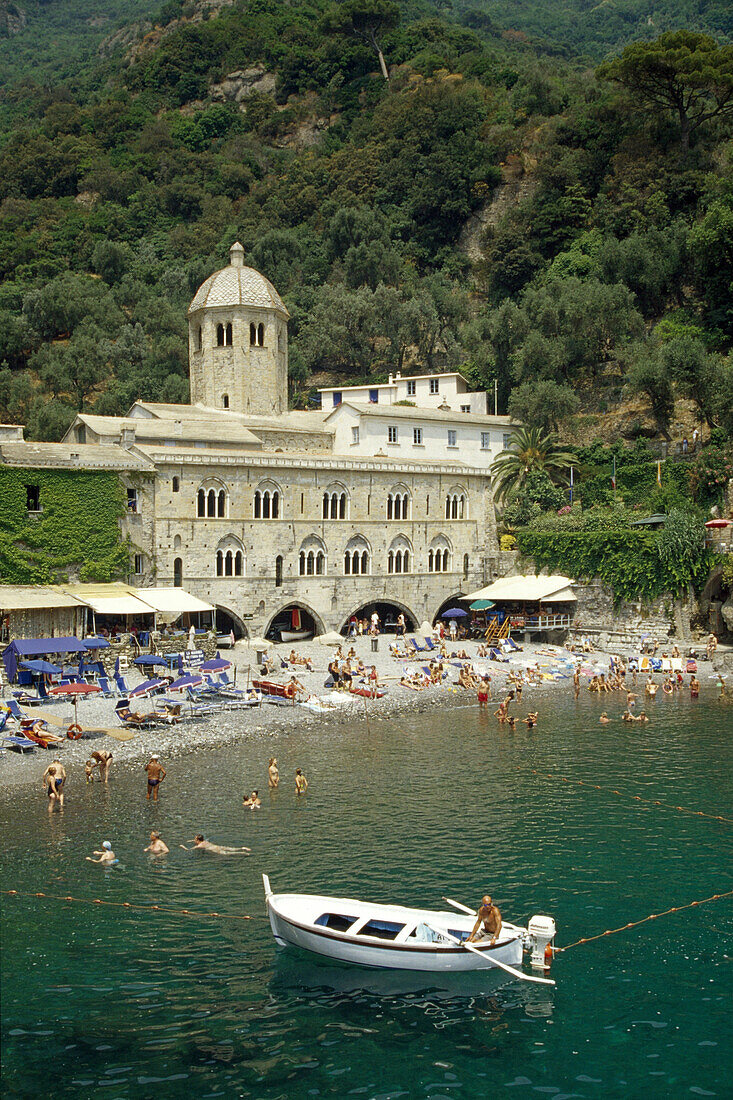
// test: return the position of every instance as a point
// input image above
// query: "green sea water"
(99, 1001)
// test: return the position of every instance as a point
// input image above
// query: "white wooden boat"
(295, 635)
(397, 937)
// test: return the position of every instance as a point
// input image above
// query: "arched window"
(219, 563)
(220, 336)
(399, 555)
(212, 500)
(225, 401)
(221, 504)
(228, 334)
(455, 504)
(465, 565)
(238, 563)
(253, 335)
(176, 485)
(335, 504)
(230, 557)
(398, 503)
(261, 335)
(356, 557)
(211, 503)
(439, 555)
(199, 338)
(278, 571)
(201, 502)
(312, 557)
(178, 573)
(267, 500)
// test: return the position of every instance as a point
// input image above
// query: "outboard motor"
(541, 934)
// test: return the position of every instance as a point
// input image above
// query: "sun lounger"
(656, 663)
(494, 655)
(106, 688)
(509, 643)
(273, 692)
(18, 743)
(122, 687)
(419, 648)
(133, 719)
(430, 644)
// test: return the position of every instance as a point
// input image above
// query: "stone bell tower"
(238, 342)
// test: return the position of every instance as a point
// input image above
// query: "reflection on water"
(134, 1004)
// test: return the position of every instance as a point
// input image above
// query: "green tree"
(682, 72)
(542, 404)
(367, 20)
(648, 373)
(530, 450)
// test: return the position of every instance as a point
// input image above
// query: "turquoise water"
(105, 1002)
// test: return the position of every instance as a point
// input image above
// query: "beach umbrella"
(147, 687)
(216, 664)
(454, 613)
(150, 659)
(185, 682)
(41, 667)
(481, 605)
(718, 523)
(74, 691)
(180, 665)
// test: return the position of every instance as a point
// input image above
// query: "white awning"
(173, 601)
(565, 595)
(523, 588)
(118, 605)
(26, 598)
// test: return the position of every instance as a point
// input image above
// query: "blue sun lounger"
(20, 744)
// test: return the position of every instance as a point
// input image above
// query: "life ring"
(74, 732)
(667, 689)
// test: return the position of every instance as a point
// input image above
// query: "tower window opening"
(253, 335)
(278, 571)
(228, 340)
(178, 573)
(220, 336)
(261, 336)
(225, 401)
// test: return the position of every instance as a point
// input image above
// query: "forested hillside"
(491, 205)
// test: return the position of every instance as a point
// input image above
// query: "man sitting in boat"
(488, 922)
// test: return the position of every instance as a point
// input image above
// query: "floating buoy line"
(635, 923)
(125, 905)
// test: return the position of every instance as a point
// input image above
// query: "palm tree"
(529, 449)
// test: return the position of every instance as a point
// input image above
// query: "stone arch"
(318, 624)
(364, 611)
(451, 601)
(237, 623)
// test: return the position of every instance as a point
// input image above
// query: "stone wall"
(666, 618)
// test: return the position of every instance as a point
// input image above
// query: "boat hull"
(421, 957)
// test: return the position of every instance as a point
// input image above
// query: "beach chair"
(495, 655)
(430, 644)
(201, 705)
(419, 648)
(15, 711)
(18, 743)
(106, 688)
(644, 664)
(133, 720)
(122, 687)
(656, 664)
(511, 644)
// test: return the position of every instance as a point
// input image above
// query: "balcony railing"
(541, 622)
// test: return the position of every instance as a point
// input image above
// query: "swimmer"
(53, 780)
(301, 783)
(531, 720)
(157, 847)
(604, 719)
(106, 855)
(576, 682)
(217, 849)
(156, 775)
(252, 801)
(273, 775)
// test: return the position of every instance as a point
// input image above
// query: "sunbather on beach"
(217, 849)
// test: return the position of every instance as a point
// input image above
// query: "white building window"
(506, 440)
(312, 558)
(230, 558)
(417, 437)
(399, 556)
(392, 433)
(354, 436)
(439, 556)
(411, 388)
(266, 504)
(465, 408)
(212, 503)
(434, 385)
(452, 438)
(335, 504)
(485, 441)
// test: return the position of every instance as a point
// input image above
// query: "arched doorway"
(227, 621)
(451, 604)
(388, 610)
(294, 622)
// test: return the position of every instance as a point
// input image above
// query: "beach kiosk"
(529, 605)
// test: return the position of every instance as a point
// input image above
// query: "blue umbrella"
(41, 666)
(216, 664)
(184, 682)
(454, 613)
(147, 687)
(150, 659)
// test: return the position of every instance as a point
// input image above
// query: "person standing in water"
(301, 783)
(273, 775)
(106, 855)
(157, 847)
(156, 775)
(252, 801)
(103, 760)
(53, 780)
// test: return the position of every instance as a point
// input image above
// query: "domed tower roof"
(237, 285)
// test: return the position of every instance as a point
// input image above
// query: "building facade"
(309, 518)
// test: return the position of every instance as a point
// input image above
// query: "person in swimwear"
(604, 719)
(53, 780)
(89, 767)
(156, 775)
(482, 692)
(157, 847)
(217, 849)
(106, 855)
(273, 775)
(253, 801)
(488, 922)
(576, 682)
(531, 720)
(301, 783)
(694, 687)
(103, 760)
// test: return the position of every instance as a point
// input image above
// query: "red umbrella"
(718, 523)
(75, 690)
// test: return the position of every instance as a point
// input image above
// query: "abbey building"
(380, 497)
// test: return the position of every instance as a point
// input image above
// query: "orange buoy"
(549, 950)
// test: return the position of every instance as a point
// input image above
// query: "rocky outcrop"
(627, 623)
(516, 186)
(12, 20)
(238, 86)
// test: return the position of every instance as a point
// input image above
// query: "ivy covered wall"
(75, 534)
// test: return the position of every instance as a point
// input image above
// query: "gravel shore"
(257, 723)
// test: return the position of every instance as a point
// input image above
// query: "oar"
(463, 908)
(493, 961)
